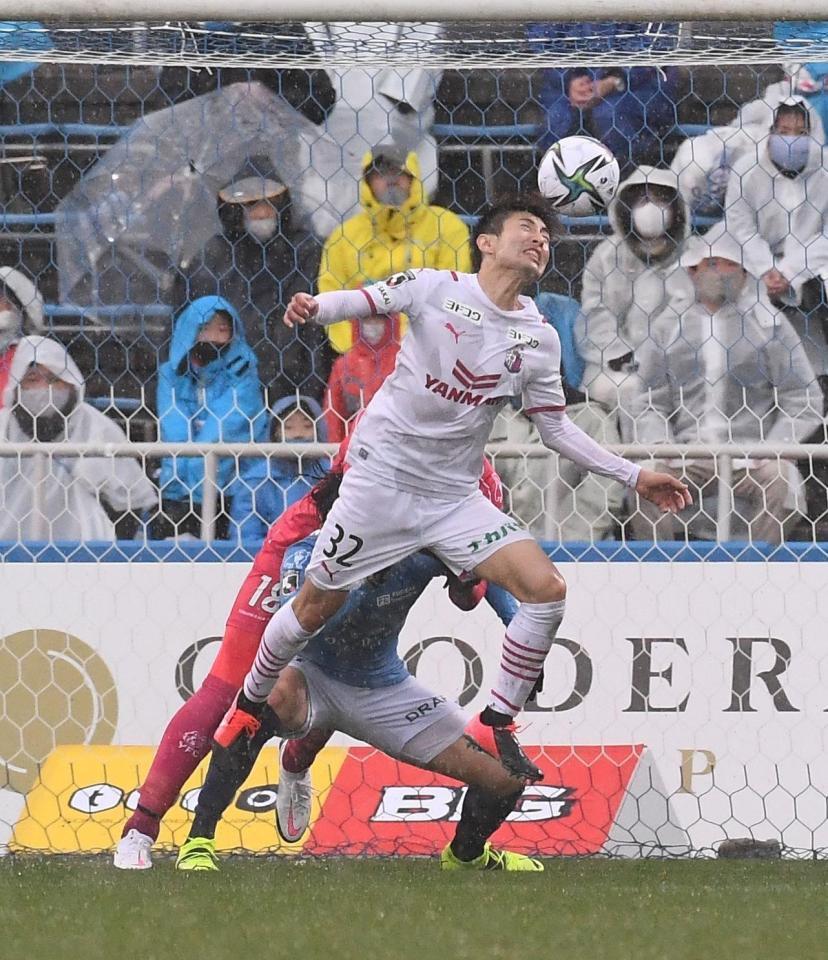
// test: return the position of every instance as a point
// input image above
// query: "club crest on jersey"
(472, 314)
(514, 360)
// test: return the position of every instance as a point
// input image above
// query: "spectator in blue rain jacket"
(629, 109)
(208, 392)
(267, 489)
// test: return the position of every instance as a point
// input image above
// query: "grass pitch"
(396, 910)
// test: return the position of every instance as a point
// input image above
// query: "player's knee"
(547, 587)
(289, 700)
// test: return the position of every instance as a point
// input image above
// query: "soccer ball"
(579, 176)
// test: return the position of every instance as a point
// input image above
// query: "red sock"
(298, 755)
(185, 743)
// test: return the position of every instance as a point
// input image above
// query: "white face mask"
(372, 331)
(261, 229)
(44, 400)
(651, 220)
(789, 153)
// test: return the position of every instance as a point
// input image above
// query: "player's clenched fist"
(302, 307)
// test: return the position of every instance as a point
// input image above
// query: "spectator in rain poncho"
(776, 207)
(62, 498)
(724, 366)
(628, 280)
(397, 230)
(208, 392)
(360, 372)
(393, 106)
(703, 164)
(270, 485)
(21, 312)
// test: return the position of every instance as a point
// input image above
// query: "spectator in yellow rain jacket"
(398, 230)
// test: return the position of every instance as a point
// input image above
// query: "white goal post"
(382, 10)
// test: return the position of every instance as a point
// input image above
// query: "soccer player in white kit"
(474, 342)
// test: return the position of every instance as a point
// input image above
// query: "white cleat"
(293, 802)
(133, 852)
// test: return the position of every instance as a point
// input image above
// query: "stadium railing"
(724, 455)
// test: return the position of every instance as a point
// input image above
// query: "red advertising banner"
(380, 806)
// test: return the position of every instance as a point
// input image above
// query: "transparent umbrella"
(153, 196)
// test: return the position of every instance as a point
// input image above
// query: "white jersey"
(462, 359)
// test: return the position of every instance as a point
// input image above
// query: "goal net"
(165, 188)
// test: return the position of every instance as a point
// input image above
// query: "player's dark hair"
(497, 213)
(325, 491)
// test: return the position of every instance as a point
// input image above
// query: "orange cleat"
(240, 720)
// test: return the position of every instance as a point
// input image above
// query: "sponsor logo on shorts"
(472, 314)
(492, 536)
(525, 338)
(423, 709)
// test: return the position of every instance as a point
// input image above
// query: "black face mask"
(205, 351)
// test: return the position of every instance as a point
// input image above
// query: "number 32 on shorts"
(353, 542)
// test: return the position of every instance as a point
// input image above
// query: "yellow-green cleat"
(491, 859)
(197, 853)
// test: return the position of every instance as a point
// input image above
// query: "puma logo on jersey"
(526, 338)
(455, 333)
(464, 310)
(457, 394)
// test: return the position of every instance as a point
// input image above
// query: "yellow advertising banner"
(83, 796)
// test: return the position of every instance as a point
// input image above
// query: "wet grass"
(58, 909)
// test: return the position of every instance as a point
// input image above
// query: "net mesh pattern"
(686, 676)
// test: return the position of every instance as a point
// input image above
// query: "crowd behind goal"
(157, 220)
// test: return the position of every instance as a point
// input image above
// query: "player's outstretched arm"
(559, 433)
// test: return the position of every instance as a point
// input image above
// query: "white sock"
(283, 638)
(528, 640)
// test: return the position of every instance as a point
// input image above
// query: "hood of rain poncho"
(190, 322)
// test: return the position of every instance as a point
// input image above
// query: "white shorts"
(406, 720)
(371, 527)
